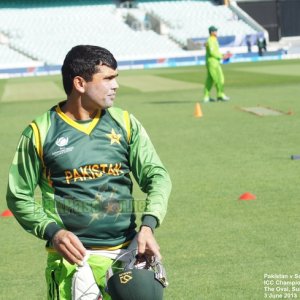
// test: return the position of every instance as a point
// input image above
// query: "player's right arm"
(24, 175)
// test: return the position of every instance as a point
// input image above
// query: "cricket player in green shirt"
(214, 70)
(81, 153)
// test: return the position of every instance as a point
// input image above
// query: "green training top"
(83, 172)
(213, 50)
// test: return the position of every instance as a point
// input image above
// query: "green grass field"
(215, 246)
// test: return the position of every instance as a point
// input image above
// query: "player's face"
(101, 91)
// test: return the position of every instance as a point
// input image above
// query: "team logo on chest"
(114, 137)
(62, 142)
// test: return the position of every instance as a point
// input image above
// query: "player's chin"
(109, 102)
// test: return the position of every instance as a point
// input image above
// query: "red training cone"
(247, 196)
(7, 213)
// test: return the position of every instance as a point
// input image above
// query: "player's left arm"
(149, 172)
(153, 179)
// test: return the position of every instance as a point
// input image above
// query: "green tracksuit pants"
(59, 275)
(214, 76)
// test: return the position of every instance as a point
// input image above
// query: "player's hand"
(147, 243)
(69, 246)
(227, 55)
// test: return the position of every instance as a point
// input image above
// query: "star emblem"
(114, 137)
(95, 217)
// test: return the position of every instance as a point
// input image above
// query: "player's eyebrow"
(111, 76)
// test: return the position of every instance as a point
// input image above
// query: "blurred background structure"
(35, 35)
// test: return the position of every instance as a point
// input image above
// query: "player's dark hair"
(84, 61)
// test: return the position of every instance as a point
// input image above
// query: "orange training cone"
(198, 111)
(247, 196)
(7, 213)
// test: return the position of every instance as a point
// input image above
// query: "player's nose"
(114, 84)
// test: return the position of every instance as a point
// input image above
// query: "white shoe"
(224, 98)
(208, 99)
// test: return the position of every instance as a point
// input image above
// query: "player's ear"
(79, 84)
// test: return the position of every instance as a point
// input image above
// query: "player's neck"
(75, 111)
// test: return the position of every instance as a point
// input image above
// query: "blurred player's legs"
(208, 86)
(214, 76)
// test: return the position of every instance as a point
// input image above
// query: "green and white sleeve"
(24, 176)
(149, 173)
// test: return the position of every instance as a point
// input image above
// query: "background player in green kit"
(81, 153)
(213, 65)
